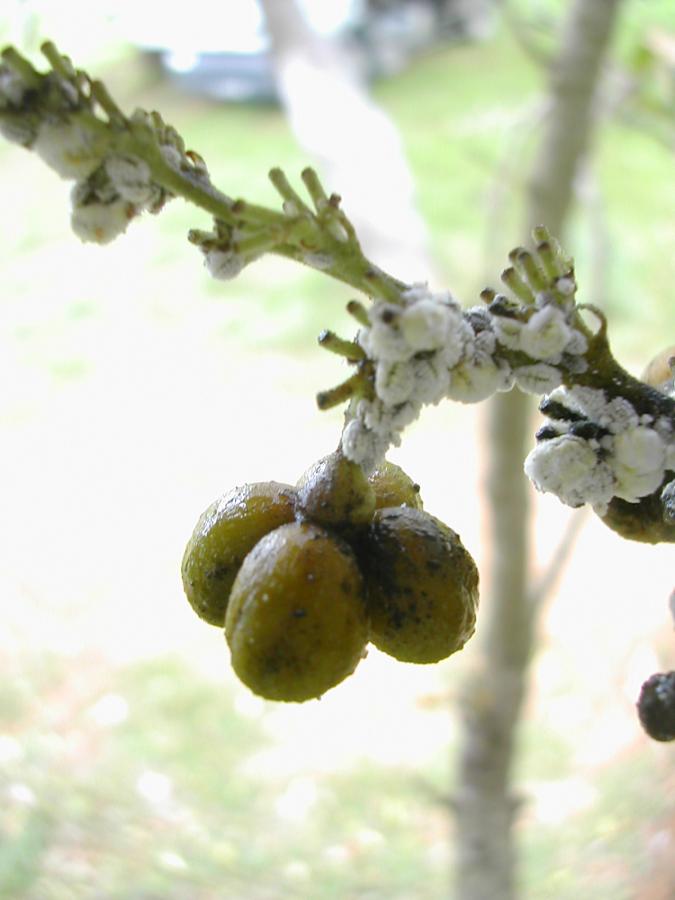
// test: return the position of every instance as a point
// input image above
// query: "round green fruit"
(296, 622)
(394, 488)
(335, 492)
(421, 586)
(225, 533)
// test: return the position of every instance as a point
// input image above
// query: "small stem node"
(100, 94)
(314, 188)
(356, 309)
(349, 349)
(352, 387)
(288, 193)
(531, 271)
(21, 66)
(514, 282)
(60, 64)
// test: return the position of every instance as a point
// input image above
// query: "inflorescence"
(427, 349)
(69, 121)
(608, 438)
(595, 447)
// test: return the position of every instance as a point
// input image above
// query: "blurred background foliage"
(136, 390)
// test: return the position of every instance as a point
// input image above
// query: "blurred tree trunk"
(358, 149)
(484, 803)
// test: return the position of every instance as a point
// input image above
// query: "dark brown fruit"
(656, 706)
(421, 586)
(296, 623)
(225, 533)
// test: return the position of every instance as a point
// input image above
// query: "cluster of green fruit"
(303, 578)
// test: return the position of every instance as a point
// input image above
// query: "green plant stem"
(605, 373)
(21, 66)
(324, 240)
(296, 237)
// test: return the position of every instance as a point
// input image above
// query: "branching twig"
(611, 438)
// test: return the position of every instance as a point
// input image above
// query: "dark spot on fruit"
(219, 573)
(397, 617)
(278, 659)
